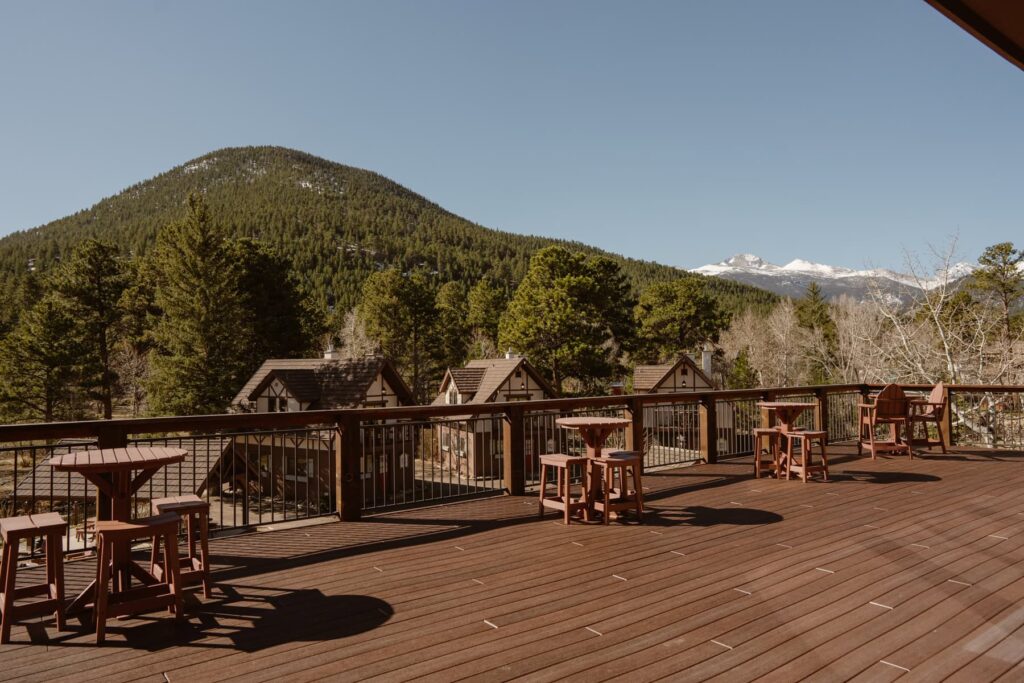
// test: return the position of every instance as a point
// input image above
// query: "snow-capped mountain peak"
(793, 278)
(745, 261)
(801, 266)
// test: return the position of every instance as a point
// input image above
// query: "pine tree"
(1001, 277)
(676, 317)
(400, 314)
(453, 330)
(200, 336)
(39, 361)
(812, 313)
(280, 321)
(812, 310)
(571, 317)
(487, 303)
(741, 373)
(93, 281)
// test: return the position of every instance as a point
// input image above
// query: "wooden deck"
(897, 568)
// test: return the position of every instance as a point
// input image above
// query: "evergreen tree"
(453, 330)
(1001, 277)
(812, 313)
(280, 321)
(487, 303)
(400, 314)
(93, 281)
(200, 359)
(741, 373)
(570, 316)
(676, 317)
(38, 363)
(812, 310)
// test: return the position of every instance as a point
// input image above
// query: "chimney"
(705, 360)
(509, 354)
(331, 353)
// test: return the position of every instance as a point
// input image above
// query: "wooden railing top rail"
(113, 430)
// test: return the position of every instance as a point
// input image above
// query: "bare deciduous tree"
(776, 345)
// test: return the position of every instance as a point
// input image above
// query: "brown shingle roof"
(486, 375)
(647, 377)
(468, 379)
(324, 383)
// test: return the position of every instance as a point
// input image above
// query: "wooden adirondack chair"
(891, 407)
(932, 410)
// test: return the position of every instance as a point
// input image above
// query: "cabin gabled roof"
(467, 379)
(647, 378)
(324, 383)
(483, 377)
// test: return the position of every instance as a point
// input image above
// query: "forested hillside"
(337, 224)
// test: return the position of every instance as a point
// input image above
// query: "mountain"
(793, 278)
(336, 223)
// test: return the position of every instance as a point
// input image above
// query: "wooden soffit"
(997, 23)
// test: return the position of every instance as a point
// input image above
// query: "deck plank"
(774, 582)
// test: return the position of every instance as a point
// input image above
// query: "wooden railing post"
(947, 418)
(348, 483)
(514, 451)
(821, 410)
(708, 430)
(635, 432)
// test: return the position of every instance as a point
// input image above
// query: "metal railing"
(671, 433)
(257, 469)
(990, 419)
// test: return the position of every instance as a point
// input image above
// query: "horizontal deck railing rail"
(260, 468)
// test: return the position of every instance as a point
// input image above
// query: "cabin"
(329, 383)
(668, 429)
(284, 462)
(670, 378)
(472, 447)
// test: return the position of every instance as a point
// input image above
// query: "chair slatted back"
(891, 403)
(937, 396)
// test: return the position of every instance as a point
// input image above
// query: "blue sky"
(681, 132)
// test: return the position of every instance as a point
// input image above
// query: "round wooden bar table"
(594, 431)
(117, 473)
(787, 413)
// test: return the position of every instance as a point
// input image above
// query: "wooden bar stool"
(625, 465)
(772, 435)
(562, 500)
(801, 445)
(195, 512)
(50, 526)
(154, 594)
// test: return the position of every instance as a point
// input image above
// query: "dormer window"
(453, 395)
(277, 404)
